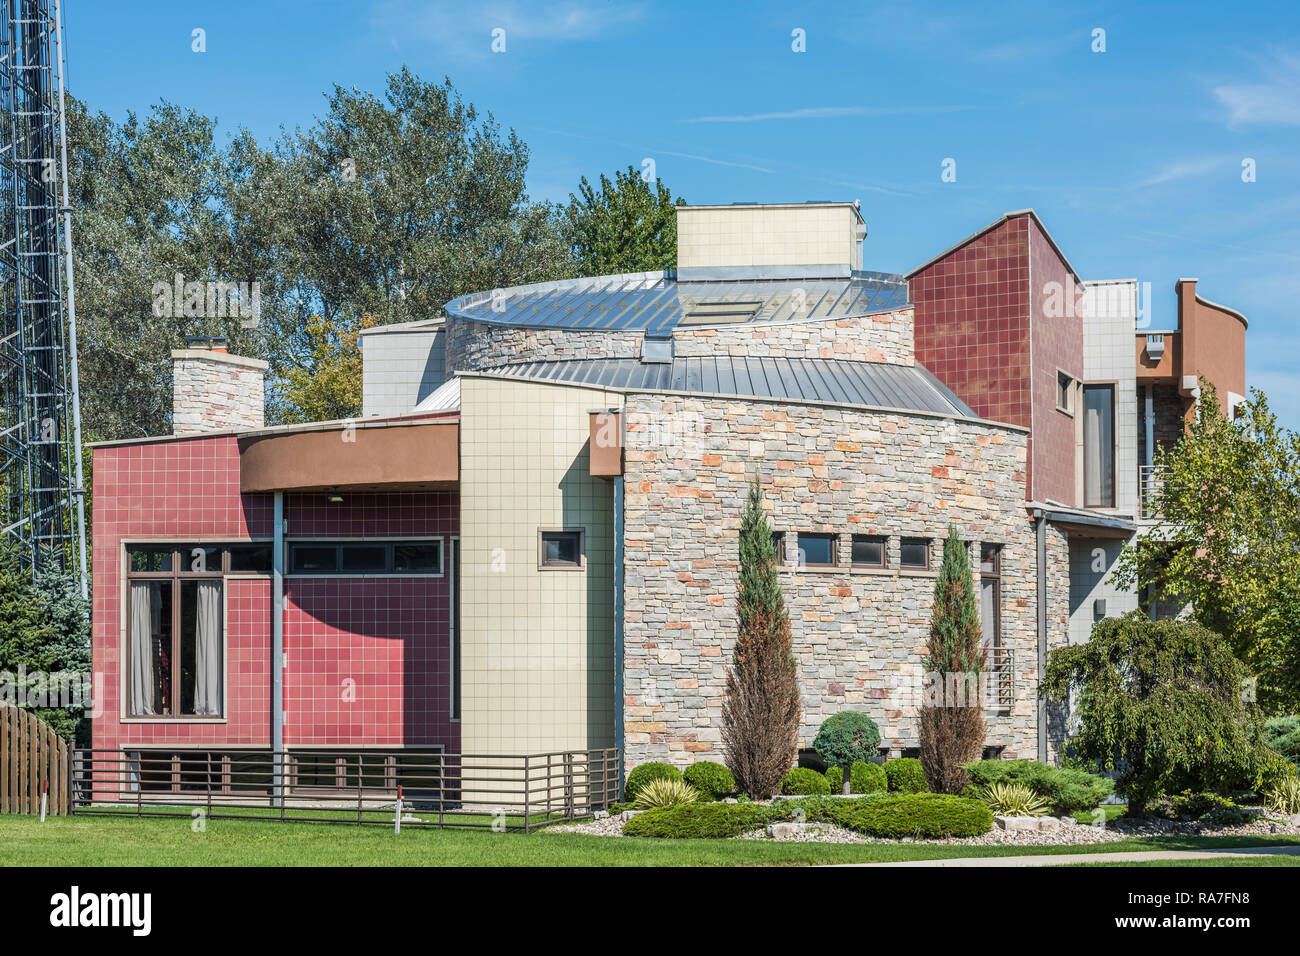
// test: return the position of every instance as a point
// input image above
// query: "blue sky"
(1132, 156)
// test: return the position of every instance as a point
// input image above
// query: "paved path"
(1063, 859)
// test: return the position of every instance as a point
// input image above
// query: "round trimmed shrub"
(868, 778)
(835, 779)
(905, 775)
(642, 774)
(802, 781)
(712, 780)
(845, 739)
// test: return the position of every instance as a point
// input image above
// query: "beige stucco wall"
(537, 647)
(730, 236)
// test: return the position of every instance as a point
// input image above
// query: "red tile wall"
(976, 312)
(972, 322)
(389, 635)
(1058, 344)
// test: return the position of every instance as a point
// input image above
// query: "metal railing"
(1151, 481)
(1000, 666)
(500, 792)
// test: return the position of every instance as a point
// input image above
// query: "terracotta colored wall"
(389, 635)
(1057, 344)
(1214, 344)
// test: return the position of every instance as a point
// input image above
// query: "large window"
(1099, 446)
(365, 557)
(175, 631)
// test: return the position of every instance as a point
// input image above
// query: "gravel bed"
(1069, 833)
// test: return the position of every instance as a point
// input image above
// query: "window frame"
(389, 544)
(1069, 384)
(1113, 454)
(929, 553)
(544, 565)
(883, 540)
(830, 537)
(994, 576)
(175, 576)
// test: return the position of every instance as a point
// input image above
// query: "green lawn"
(1266, 860)
(127, 841)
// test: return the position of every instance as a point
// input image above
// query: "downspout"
(277, 653)
(1040, 528)
(618, 614)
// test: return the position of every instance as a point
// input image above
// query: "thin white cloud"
(1273, 101)
(454, 27)
(823, 112)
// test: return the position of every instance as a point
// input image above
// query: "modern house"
(528, 542)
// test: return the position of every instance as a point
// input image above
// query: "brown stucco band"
(393, 457)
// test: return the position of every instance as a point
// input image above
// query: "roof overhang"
(420, 455)
(1085, 524)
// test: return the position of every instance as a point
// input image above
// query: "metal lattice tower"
(40, 447)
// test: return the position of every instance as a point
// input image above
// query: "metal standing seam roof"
(835, 381)
(655, 302)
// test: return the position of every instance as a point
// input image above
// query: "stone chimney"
(214, 391)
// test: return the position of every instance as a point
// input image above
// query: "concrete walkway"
(1064, 859)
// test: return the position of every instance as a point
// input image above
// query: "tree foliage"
(844, 739)
(1229, 508)
(1161, 702)
(627, 225)
(760, 715)
(952, 718)
(44, 630)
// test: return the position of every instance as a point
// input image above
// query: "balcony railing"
(1151, 480)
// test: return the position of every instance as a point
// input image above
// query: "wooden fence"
(33, 758)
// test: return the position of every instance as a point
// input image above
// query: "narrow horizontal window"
(423, 557)
(868, 551)
(149, 559)
(313, 559)
(817, 550)
(251, 559)
(359, 558)
(560, 549)
(914, 553)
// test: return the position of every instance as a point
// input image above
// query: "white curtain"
(207, 649)
(146, 606)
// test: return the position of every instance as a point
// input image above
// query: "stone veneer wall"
(858, 634)
(216, 391)
(882, 337)
(474, 346)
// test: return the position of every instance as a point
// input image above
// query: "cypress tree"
(952, 717)
(760, 716)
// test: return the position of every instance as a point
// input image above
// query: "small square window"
(868, 551)
(1064, 392)
(817, 550)
(560, 549)
(914, 553)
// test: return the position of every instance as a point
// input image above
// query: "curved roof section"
(656, 303)
(832, 381)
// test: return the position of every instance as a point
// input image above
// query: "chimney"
(214, 391)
